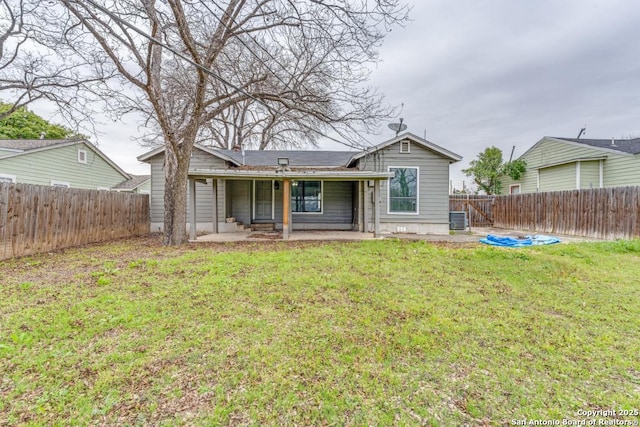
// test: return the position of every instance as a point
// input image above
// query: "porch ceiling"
(326, 175)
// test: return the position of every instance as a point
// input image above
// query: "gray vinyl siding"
(204, 192)
(239, 200)
(61, 164)
(558, 178)
(590, 174)
(337, 206)
(433, 183)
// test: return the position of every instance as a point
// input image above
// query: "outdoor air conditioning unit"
(458, 220)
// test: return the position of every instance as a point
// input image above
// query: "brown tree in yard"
(273, 70)
(34, 64)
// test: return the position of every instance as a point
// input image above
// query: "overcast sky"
(476, 73)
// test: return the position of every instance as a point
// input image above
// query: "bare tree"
(179, 63)
(34, 64)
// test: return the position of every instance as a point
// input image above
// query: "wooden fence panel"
(604, 213)
(36, 218)
(478, 208)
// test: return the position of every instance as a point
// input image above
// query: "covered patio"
(286, 178)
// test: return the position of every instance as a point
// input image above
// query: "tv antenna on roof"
(398, 127)
(582, 131)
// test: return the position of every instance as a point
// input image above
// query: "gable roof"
(631, 146)
(621, 146)
(298, 158)
(453, 157)
(308, 158)
(21, 147)
(213, 151)
(31, 144)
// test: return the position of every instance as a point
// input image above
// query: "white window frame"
(55, 183)
(82, 156)
(11, 178)
(321, 198)
(512, 186)
(417, 212)
(408, 145)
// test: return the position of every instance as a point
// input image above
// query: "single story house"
(558, 164)
(401, 185)
(65, 163)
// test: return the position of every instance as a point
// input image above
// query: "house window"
(60, 184)
(82, 156)
(306, 196)
(404, 146)
(403, 190)
(514, 189)
(8, 179)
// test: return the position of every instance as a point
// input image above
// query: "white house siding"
(61, 164)
(433, 190)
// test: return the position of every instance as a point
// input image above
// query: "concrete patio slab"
(472, 236)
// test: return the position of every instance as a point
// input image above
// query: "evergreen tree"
(25, 124)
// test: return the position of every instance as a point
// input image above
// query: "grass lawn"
(368, 333)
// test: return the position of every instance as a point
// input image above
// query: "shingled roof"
(296, 158)
(131, 184)
(32, 144)
(631, 146)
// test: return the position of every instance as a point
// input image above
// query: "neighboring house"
(64, 163)
(327, 190)
(136, 184)
(557, 164)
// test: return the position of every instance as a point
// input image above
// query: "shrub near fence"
(605, 213)
(36, 218)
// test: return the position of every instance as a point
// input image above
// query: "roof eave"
(73, 142)
(453, 157)
(278, 175)
(146, 156)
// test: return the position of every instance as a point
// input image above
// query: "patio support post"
(365, 204)
(215, 204)
(376, 208)
(192, 217)
(286, 208)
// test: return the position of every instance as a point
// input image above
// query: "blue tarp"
(512, 242)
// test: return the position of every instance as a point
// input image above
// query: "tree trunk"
(176, 168)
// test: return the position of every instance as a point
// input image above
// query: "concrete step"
(262, 227)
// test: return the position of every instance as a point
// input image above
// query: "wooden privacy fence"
(477, 207)
(606, 213)
(36, 218)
